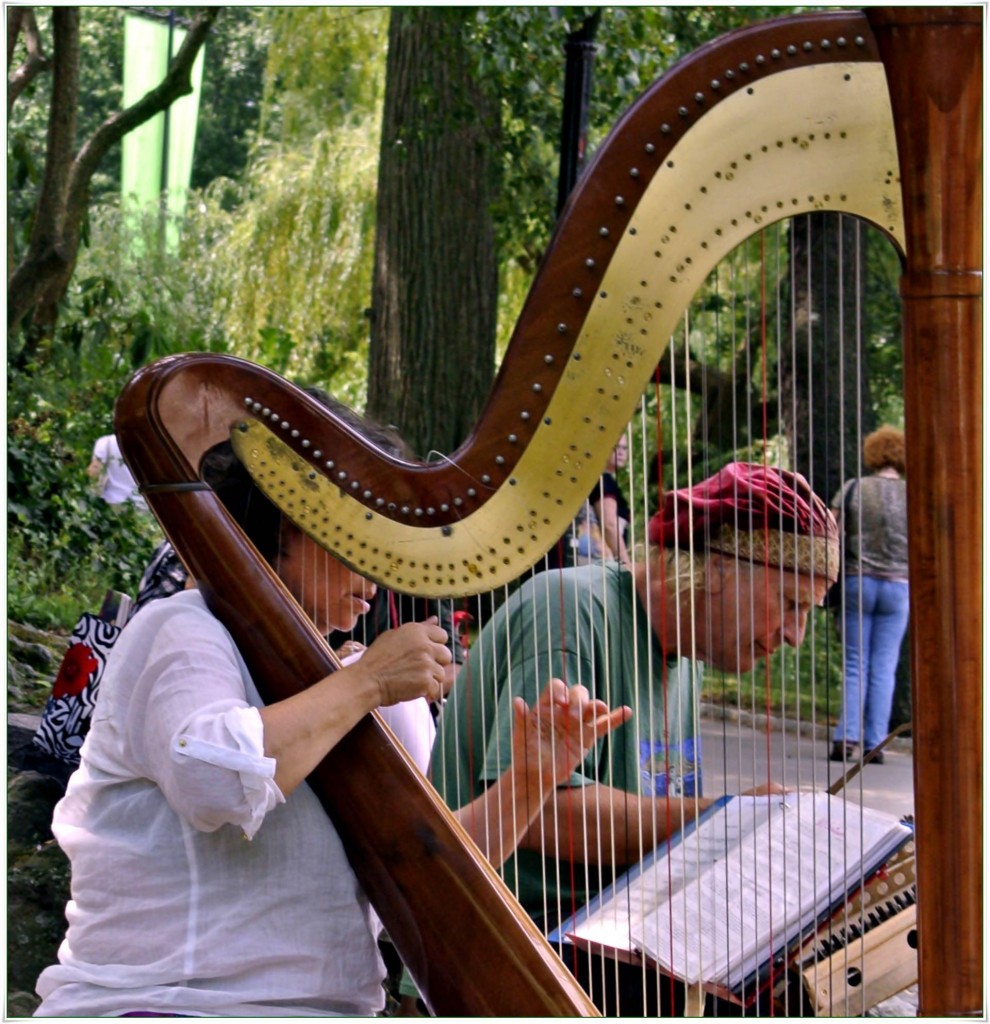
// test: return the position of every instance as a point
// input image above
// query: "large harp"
(875, 115)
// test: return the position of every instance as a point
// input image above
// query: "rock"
(37, 870)
(37, 891)
(33, 658)
(31, 798)
(36, 655)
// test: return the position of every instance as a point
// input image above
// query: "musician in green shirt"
(734, 566)
(587, 626)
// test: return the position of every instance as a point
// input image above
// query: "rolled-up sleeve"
(215, 754)
(191, 729)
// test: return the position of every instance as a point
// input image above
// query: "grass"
(40, 594)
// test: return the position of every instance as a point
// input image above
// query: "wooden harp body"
(873, 115)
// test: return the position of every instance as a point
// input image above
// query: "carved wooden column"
(933, 58)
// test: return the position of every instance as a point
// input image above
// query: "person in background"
(610, 506)
(874, 611)
(734, 566)
(108, 469)
(599, 531)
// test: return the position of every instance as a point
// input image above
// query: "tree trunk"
(824, 378)
(51, 250)
(37, 285)
(436, 276)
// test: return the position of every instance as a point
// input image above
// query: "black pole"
(580, 56)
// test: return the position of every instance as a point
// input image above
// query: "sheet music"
(746, 900)
(720, 902)
(610, 924)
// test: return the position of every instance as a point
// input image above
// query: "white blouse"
(196, 887)
(411, 722)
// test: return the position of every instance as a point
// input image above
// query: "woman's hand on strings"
(402, 664)
(554, 736)
(409, 661)
(549, 740)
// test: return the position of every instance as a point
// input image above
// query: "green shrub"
(65, 545)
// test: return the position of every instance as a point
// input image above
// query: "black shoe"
(874, 756)
(844, 751)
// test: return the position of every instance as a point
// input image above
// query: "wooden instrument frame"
(467, 943)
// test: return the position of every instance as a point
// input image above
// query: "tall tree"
(436, 274)
(825, 381)
(38, 282)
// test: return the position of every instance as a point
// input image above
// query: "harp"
(876, 116)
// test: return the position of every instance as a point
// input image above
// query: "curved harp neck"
(418, 867)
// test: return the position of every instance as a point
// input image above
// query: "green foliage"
(100, 90)
(326, 68)
(276, 266)
(131, 300)
(229, 109)
(230, 103)
(65, 546)
(882, 328)
(289, 269)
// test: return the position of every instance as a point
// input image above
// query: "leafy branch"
(39, 281)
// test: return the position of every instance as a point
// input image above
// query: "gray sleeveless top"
(874, 527)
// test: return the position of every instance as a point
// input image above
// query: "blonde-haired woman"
(873, 513)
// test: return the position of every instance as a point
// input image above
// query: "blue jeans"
(875, 620)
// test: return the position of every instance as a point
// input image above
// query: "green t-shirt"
(587, 626)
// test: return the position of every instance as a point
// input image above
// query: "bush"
(65, 545)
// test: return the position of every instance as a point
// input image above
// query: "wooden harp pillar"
(937, 103)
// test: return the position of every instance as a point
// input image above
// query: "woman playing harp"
(173, 911)
(936, 104)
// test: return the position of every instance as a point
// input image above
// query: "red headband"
(769, 515)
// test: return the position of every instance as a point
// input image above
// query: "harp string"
(767, 277)
(789, 268)
(766, 661)
(858, 473)
(662, 596)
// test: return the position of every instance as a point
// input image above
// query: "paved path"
(736, 755)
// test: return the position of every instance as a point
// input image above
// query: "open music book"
(722, 899)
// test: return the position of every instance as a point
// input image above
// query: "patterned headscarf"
(768, 515)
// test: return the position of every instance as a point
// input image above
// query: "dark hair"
(261, 520)
(381, 436)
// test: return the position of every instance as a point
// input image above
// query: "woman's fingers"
(409, 661)
(571, 709)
